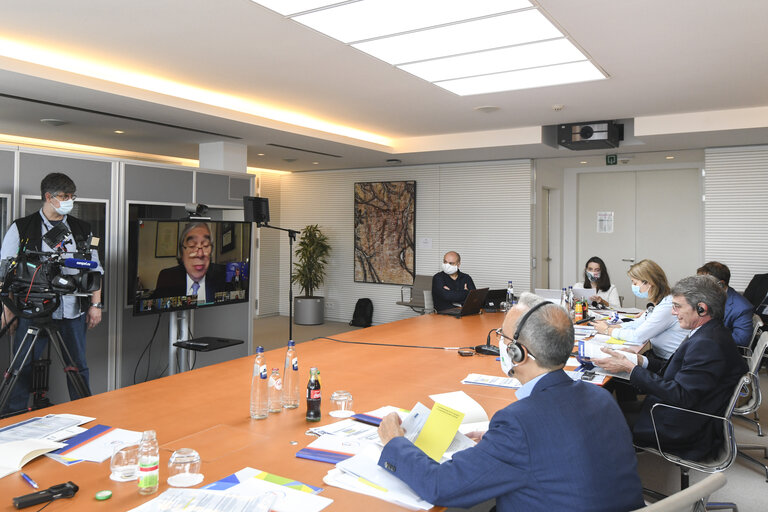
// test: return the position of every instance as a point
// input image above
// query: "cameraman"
(75, 314)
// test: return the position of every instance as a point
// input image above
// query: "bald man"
(451, 286)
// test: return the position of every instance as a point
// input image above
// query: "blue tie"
(195, 287)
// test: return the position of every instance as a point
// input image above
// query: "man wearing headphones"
(701, 375)
(563, 445)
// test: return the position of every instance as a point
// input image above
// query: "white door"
(656, 215)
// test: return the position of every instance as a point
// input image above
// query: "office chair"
(416, 301)
(752, 391)
(720, 462)
(692, 499)
(757, 325)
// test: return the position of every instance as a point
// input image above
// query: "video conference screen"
(188, 264)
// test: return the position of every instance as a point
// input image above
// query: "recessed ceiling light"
(54, 122)
(583, 162)
(259, 154)
(315, 163)
(670, 158)
(119, 131)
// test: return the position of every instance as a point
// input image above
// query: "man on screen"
(195, 274)
(563, 445)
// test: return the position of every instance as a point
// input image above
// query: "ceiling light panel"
(524, 79)
(369, 19)
(289, 7)
(484, 34)
(532, 55)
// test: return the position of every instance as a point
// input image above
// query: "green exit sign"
(611, 159)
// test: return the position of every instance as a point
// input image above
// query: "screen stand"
(291, 238)
(178, 330)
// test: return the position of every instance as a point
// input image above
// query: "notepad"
(15, 454)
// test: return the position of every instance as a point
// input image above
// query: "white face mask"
(450, 269)
(593, 276)
(65, 207)
(507, 366)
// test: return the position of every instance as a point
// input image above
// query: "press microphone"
(488, 349)
(79, 263)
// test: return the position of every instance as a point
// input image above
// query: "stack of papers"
(491, 380)
(95, 444)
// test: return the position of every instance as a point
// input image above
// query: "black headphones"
(515, 349)
(700, 310)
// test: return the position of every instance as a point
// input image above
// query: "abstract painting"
(385, 232)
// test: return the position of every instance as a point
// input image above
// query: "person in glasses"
(195, 274)
(75, 315)
(563, 445)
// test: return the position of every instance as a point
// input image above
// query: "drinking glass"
(184, 468)
(124, 463)
(341, 404)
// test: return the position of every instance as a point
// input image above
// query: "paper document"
(334, 448)
(96, 443)
(40, 428)
(491, 380)
(15, 454)
(439, 430)
(461, 401)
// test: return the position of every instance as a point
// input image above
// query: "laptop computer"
(494, 299)
(472, 304)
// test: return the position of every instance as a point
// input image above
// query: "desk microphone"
(79, 263)
(487, 349)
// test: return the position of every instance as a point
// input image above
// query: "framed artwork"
(227, 236)
(167, 239)
(385, 232)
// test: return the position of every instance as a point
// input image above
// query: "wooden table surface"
(207, 409)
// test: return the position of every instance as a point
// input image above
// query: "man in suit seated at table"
(450, 286)
(701, 375)
(738, 310)
(195, 274)
(563, 445)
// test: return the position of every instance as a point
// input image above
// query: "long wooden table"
(207, 409)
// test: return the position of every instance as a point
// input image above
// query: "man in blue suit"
(701, 375)
(563, 445)
(738, 310)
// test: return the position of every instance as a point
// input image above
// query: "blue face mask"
(638, 293)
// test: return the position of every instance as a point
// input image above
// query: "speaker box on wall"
(256, 209)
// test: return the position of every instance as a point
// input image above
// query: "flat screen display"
(187, 264)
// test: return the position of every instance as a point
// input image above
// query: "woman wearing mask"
(658, 324)
(596, 278)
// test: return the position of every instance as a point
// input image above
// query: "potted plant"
(309, 273)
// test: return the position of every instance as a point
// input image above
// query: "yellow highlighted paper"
(439, 430)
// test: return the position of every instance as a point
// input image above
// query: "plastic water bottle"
(149, 463)
(564, 299)
(259, 404)
(570, 298)
(291, 377)
(275, 391)
(510, 293)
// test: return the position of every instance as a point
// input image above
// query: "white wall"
(481, 210)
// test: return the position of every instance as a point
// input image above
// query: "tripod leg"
(19, 360)
(70, 369)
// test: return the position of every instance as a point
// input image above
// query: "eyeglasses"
(676, 306)
(193, 249)
(65, 197)
(500, 335)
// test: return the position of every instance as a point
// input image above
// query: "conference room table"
(207, 409)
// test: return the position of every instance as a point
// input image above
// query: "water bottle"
(259, 405)
(564, 299)
(149, 463)
(510, 293)
(275, 391)
(570, 298)
(313, 396)
(291, 377)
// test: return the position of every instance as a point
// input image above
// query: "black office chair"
(720, 462)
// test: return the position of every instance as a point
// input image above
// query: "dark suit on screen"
(172, 282)
(756, 293)
(701, 375)
(565, 447)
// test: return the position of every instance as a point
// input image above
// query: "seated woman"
(658, 324)
(596, 278)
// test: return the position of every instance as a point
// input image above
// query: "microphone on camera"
(79, 263)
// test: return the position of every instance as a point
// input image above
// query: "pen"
(29, 480)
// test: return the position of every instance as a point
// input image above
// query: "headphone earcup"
(515, 354)
(700, 310)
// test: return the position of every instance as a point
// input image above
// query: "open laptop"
(472, 304)
(494, 299)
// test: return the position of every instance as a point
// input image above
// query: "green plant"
(312, 253)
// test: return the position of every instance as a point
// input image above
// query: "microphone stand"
(291, 238)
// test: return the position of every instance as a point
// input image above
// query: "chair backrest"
(420, 284)
(429, 303)
(692, 499)
(758, 352)
(757, 323)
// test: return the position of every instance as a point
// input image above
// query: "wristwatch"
(97, 305)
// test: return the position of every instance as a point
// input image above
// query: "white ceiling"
(666, 62)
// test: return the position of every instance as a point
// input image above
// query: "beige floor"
(747, 486)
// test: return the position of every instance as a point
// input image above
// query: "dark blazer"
(443, 298)
(565, 447)
(701, 375)
(172, 282)
(738, 317)
(756, 291)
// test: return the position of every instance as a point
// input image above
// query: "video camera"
(32, 282)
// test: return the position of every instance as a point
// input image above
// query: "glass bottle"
(259, 404)
(149, 463)
(510, 293)
(313, 396)
(275, 391)
(291, 377)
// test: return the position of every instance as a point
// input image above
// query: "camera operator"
(75, 314)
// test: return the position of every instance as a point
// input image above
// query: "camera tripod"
(40, 329)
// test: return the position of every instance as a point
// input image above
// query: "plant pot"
(308, 310)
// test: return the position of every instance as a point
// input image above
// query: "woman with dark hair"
(596, 278)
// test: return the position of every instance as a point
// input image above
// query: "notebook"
(472, 304)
